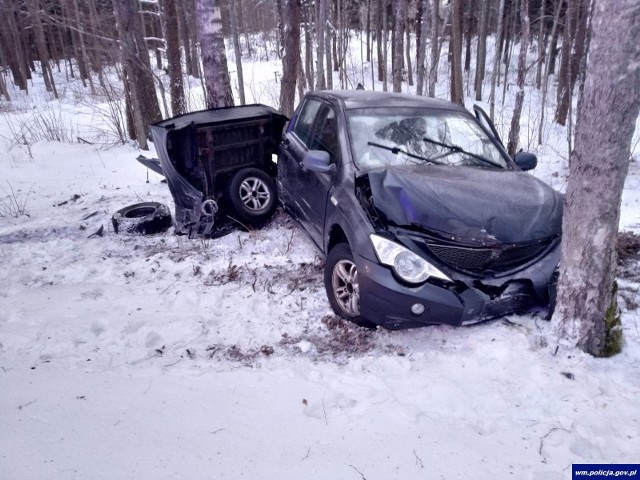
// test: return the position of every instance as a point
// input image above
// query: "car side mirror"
(526, 161)
(318, 161)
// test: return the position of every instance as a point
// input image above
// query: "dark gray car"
(422, 215)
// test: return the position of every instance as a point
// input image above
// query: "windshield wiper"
(396, 150)
(456, 149)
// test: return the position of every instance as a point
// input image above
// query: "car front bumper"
(388, 303)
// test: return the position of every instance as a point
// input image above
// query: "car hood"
(467, 204)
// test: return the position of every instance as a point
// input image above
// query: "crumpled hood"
(468, 204)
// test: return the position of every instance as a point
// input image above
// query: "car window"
(325, 135)
(303, 125)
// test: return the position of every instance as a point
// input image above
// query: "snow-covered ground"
(164, 357)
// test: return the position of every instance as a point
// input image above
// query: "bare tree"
(586, 307)
(174, 67)
(321, 84)
(233, 16)
(435, 48)
(143, 106)
(291, 57)
(514, 131)
(214, 57)
(398, 51)
(457, 94)
(496, 60)
(481, 56)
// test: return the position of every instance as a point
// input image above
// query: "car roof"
(352, 99)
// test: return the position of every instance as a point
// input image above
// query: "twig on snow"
(20, 407)
(307, 455)
(361, 474)
(544, 437)
(418, 459)
(326, 422)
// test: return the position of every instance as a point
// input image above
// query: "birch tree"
(586, 310)
(214, 58)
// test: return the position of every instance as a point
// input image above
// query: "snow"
(163, 357)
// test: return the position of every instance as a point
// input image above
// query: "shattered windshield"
(394, 136)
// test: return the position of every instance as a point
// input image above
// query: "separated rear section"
(218, 164)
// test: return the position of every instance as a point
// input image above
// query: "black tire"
(144, 218)
(341, 284)
(252, 195)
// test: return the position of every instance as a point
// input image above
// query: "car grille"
(497, 259)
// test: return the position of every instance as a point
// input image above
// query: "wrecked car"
(421, 213)
(219, 166)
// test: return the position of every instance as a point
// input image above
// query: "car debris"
(219, 167)
(146, 218)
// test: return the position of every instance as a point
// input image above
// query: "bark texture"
(291, 57)
(398, 44)
(214, 57)
(457, 94)
(174, 67)
(598, 168)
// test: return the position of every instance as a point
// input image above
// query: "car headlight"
(410, 267)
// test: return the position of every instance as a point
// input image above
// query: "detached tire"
(252, 195)
(144, 218)
(341, 283)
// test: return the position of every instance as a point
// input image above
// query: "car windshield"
(394, 136)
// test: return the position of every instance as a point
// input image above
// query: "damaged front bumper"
(386, 301)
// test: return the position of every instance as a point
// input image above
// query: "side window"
(325, 135)
(303, 125)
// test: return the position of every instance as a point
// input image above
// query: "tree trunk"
(398, 50)
(435, 49)
(514, 131)
(541, 44)
(172, 37)
(183, 32)
(586, 305)
(233, 17)
(578, 51)
(137, 70)
(563, 94)
(481, 56)
(308, 49)
(321, 84)
(421, 38)
(214, 57)
(385, 49)
(291, 57)
(327, 48)
(457, 95)
(547, 72)
(379, 26)
(41, 46)
(408, 50)
(496, 61)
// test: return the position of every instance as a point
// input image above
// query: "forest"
(399, 41)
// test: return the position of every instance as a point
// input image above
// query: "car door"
(308, 190)
(487, 125)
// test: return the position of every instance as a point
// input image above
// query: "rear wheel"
(252, 194)
(342, 285)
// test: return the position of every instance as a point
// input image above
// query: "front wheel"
(342, 285)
